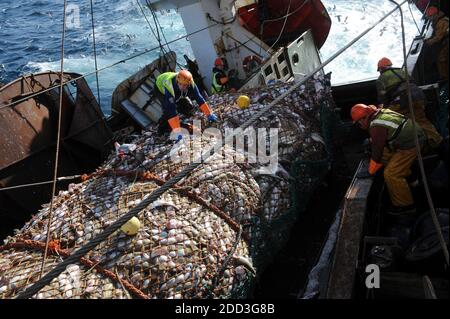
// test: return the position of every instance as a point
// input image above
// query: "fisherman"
(392, 94)
(219, 79)
(440, 38)
(177, 89)
(392, 145)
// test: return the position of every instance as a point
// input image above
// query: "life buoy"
(251, 63)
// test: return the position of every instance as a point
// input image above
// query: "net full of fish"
(199, 239)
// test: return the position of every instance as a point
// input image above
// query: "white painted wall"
(194, 16)
(202, 43)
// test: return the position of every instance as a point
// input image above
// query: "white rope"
(58, 138)
(417, 145)
(147, 200)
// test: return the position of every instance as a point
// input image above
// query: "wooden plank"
(347, 247)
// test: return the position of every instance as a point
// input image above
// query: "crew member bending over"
(393, 145)
(177, 89)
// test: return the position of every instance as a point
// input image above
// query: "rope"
(282, 29)
(412, 16)
(158, 27)
(288, 14)
(40, 183)
(149, 176)
(235, 226)
(354, 40)
(150, 26)
(171, 182)
(280, 18)
(215, 281)
(419, 154)
(58, 137)
(95, 51)
(157, 37)
(102, 69)
(55, 249)
(242, 44)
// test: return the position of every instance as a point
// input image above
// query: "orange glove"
(174, 122)
(205, 109)
(374, 167)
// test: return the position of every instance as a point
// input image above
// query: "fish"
(190, 232)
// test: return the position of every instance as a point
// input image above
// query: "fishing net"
(209, 235)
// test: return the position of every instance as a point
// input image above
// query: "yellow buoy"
(243, 101)
(131, 227)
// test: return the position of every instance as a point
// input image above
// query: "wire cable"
(241, 44)
(104, 68)
(288, 14)
(95, 51)
(158, 28)
(417, 144)
(158, 38)
(282, 29)
(76, 255)
(59, 179)
(58, 138)
(156, 35)
(412, 16)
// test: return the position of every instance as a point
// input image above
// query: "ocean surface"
(30, 38)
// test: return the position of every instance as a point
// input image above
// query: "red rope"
(55, 249)
(150, 176)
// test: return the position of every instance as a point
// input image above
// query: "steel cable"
(64, 178)
(95, 51)
(33, 289)
(417, 145)
(102, 69)
(58, 138)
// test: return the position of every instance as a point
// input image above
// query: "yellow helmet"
(131, 227)
(243, 101)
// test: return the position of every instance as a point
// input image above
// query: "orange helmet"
(431, 11)
(384, 63)
(184, 77)
(218, 62)
(360, 111)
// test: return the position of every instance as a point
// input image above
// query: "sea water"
(30, 38)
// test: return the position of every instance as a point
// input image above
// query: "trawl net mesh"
(206, 237)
